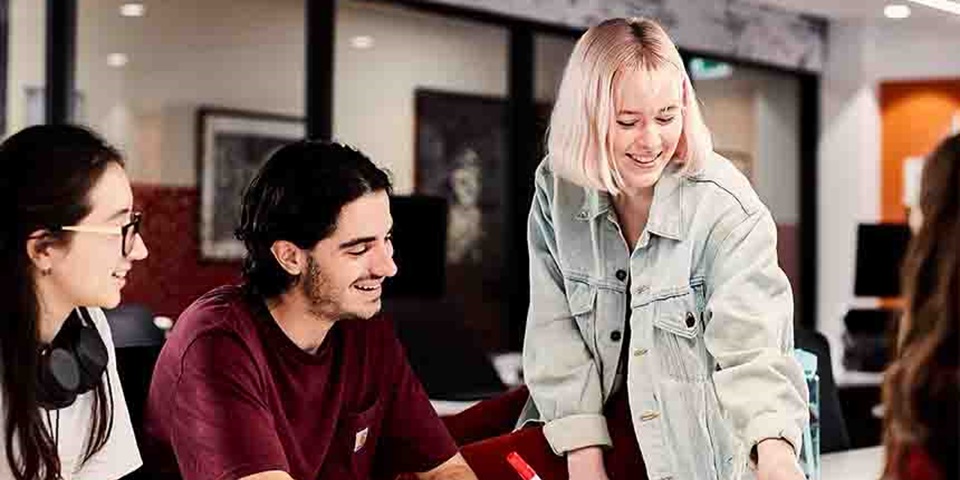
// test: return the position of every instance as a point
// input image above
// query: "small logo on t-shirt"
(360, 440)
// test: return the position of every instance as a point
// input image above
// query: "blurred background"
(828, 108)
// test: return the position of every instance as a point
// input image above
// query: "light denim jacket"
(710, 365)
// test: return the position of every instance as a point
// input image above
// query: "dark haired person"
(921, 390)
(67, 240)
(292, 375)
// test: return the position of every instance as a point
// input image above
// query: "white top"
(119, 456)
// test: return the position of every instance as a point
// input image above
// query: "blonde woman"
(654, 276)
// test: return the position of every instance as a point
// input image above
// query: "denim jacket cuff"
(577, 431)
(772, 425)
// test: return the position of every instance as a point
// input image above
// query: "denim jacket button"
(691, 321)
(621, 275)
(649, 415)
(615, 335)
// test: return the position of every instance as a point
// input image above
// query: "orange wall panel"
(915, 117)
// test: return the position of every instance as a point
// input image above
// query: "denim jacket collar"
(666, 211)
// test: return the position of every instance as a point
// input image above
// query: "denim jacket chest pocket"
(678, 325)
(582, 300)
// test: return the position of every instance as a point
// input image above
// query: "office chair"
(138, 342)
(833, 428)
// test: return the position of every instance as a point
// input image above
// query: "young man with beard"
(292, 375)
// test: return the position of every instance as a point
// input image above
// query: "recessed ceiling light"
(133, 10)
(117, 60)
(945, 5)
(896, 11)
(361, 42)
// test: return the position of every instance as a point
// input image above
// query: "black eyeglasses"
(128, 232)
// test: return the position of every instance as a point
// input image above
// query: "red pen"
(523, 468)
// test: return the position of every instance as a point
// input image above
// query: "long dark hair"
(921, 387)
(46, 174)
(297, 196)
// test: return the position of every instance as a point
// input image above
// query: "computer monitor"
(880, 251)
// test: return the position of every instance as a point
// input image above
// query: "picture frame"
(232, 145)
(460, 154)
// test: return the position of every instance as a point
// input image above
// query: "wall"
(550, 59)
(374, 88)
(915, 117)
(916, 50)
(184, 54)
(27, 45)
(758, 112)
(728, 109)
(777, 108)
(179, 60)
(861, 54)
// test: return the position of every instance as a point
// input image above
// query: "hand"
(586, 464)
(455, 468)
(776, 461)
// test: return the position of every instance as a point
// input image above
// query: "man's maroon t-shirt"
(232, 395)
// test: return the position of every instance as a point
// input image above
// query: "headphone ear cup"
(59, 378)
(92, 357)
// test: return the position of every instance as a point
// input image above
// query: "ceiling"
(861, 9)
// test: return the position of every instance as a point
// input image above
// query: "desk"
(853, 378)
(859, 464)
(451, 407)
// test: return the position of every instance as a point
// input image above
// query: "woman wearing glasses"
(68, 239)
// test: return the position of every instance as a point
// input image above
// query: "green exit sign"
(706, 69)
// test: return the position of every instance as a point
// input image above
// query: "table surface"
(859, 464)
(451, 407)
(852, 378)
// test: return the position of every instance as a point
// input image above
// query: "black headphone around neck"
(72, 364)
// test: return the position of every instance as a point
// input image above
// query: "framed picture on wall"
(461, 148)
(460, 154)
(232, 145)
(462, 157)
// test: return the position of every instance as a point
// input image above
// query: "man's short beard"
(320, 302)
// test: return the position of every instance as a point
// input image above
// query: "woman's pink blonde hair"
(577, 145)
